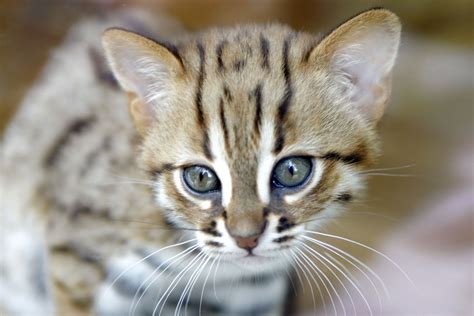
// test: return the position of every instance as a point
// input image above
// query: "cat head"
(253, 133)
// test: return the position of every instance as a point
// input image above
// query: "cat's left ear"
(360, 55)
(145, 69)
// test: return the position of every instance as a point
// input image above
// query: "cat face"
(251, 134)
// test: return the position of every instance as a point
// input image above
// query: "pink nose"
(247, 243)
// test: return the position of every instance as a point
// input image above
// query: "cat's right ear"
(145, 69)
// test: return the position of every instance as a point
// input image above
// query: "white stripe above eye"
(266, 162)
(317, 174)
(219, 163)
(177, 177)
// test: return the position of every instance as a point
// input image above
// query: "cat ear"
(143, 68)
(360, 55)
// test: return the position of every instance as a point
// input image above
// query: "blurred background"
(421, 212)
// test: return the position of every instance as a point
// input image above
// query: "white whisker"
(368, 248)
(143, 259)
(172, 260)
(301, 265)
(320, 273)
(342, 253)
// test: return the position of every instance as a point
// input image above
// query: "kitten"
(249, 137)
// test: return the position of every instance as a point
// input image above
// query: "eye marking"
(283, 239)
(201, 179)
(211, 230)
(214, 244)
(344, 197)
(291, 172)
(284, 224)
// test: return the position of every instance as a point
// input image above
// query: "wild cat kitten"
(247, 135)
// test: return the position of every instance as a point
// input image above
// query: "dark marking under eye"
(283, 239)
(211, 230)
(344, 197)
(214, 243)
(284, 224)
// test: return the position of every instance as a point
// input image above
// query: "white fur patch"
(220, 165)
(266, 162)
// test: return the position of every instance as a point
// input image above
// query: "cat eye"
(291, 172)
(200, 179)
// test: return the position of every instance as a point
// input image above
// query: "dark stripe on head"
(285, 102)
(239, 65)
(219, 50)
(200, 114)
(75, 127)
(224, 127)
(258, 109)
(353, 158)
(227, 94)
(265, 50)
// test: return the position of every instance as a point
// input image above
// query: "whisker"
(348, 214)
(390, 168)
(341, 252)
(348, 279)
(288, 273)
(316, 255)
(175, 282)
(299, 277)
(390, 174)
(143, 259)
(190, 285)
(320, 273)
(172, 260)
(352, 277)
(214, 278)
(301, 265)
(204, 286)
(368, 248)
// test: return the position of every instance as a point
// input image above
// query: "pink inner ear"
(362, 66)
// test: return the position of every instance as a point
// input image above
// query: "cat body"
(195, 198)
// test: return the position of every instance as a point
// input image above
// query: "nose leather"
(247, 243)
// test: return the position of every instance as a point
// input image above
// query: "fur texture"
(236, 101)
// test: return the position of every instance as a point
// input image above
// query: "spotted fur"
(236, 100)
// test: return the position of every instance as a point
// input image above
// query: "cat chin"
(259, 263)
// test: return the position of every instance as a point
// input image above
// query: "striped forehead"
(243, 92)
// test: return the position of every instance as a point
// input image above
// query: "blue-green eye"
(291, 172)
(200, 179)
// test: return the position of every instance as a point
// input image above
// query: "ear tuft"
(360, 55)
(144, 68)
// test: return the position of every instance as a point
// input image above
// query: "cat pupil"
(291, 169)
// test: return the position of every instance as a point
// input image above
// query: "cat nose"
(247, 243)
